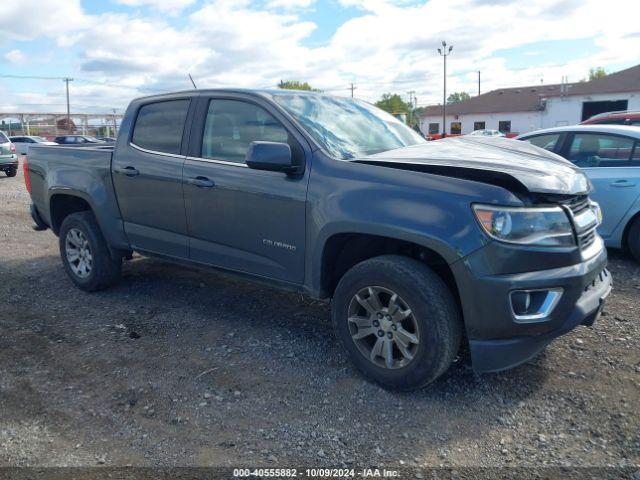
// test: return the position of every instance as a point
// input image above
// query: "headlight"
(547, 226)
(595, 207)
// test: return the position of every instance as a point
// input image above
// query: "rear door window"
(3, 138)
(548, 142)
(159, 126)
(600, 150)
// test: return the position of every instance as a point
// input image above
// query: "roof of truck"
(265, 92)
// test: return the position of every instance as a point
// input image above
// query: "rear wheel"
(397, 320)
(11, 172)
(633, 239)
(85, 255)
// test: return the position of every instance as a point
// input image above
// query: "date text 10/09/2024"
(315, 472)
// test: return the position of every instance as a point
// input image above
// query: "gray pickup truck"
(420, 246)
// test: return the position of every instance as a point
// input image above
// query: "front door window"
(232, 125)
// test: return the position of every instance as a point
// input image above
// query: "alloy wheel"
(78, 253)
(383, 327)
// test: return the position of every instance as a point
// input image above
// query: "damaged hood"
(489, 159)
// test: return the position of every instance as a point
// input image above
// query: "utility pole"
(115, 125)
(67, 80)
(444, 53)
(352, 88)
(411, 104)
(478, 82)
(411, 96)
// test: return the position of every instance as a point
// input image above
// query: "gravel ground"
(183, 367)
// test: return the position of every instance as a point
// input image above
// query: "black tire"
(633, 239)
(435, 313)
(12, 172)
(104, 271)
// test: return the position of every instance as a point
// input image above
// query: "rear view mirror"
(271, 156)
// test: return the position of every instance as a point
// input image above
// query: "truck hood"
(496, 160)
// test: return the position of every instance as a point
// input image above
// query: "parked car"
(614, 118)
(76, 140)
(438, 136)
(418, 244)
(8, 156)
(610, 157)
(23, 143)
(487, 133)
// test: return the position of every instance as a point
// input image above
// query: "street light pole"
(444, 52)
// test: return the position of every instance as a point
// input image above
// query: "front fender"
(428, 210)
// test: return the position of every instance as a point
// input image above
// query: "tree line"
(395, 105)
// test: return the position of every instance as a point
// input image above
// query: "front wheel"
(398, 321)
(85, 255)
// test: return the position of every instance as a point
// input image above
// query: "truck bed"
(83, 172)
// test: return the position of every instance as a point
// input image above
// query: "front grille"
(587, 238)
(578, 205)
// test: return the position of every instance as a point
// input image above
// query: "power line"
(83, 80)
(31, 77)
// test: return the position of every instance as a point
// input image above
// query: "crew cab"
(419, 245)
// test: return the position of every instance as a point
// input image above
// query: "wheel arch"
(62, 204)
(341, 251)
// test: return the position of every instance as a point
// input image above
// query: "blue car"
(610, 156)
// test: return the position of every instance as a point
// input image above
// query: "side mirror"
(271, 156)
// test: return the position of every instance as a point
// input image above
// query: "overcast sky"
(120, 49)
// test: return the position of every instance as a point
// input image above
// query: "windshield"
(92, 140)
(348, 128)
(39, 139)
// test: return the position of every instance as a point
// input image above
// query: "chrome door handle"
(128, 171)
(622, 184)
(201, 182)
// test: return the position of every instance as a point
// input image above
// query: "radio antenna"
(194, 83)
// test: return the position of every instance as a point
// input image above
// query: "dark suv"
(77, 140)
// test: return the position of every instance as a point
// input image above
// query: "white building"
(524, 109)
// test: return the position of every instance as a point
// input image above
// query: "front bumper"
(497, 341)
